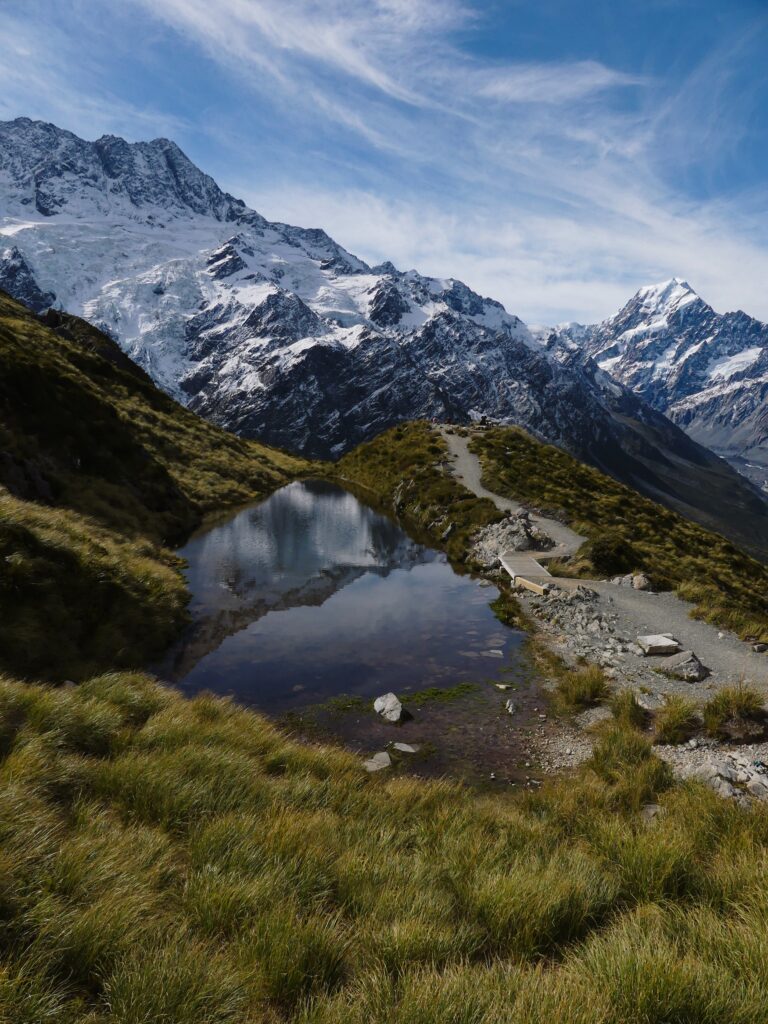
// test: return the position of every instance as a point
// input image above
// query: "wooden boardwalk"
(528, 572)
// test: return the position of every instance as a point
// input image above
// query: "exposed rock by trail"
(658, 643)
(600, 623)
(638, 581)
(684, 665)
(517, 532)
(739, 773)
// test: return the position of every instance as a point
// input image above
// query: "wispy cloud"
(545, 268)
(557, 185)
(42, 75)
(551, 83)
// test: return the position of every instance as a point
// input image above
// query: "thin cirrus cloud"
(559, 83)
(549, 172)
(558, 185)
(38, 79)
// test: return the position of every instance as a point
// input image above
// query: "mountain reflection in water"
(311, 593)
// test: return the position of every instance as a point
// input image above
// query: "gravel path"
(729, 658)
(466, 468)
(637, 612)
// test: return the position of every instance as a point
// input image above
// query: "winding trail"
(466, 468)
(639, 612)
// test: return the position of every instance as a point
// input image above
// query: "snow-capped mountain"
(277, 332)
(706, 371)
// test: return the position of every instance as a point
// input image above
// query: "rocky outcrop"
(17, 279)
(516, 532)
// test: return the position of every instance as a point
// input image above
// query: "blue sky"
(555, 155)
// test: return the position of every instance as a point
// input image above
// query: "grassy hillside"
(176, 861)
(628, 532)
(99, 470)
(173, 861)
(402, 470)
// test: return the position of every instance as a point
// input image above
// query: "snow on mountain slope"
(708, 372)
(278, 332)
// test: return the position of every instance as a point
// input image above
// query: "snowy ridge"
(706, 371)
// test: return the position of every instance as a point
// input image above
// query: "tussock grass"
(626, 709)
(623, 759)
(677, 720)
(733, 703)
(627, 532)
(581, 688)
(184, 861)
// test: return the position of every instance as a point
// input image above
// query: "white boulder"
(389, 707)
(406, 748)
(378, 762)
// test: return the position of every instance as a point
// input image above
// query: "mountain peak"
(666, 295)
(46, 170)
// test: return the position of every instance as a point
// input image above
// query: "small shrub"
(612, 554)
(733, 703)
(677, 720)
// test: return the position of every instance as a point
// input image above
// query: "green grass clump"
(441, 694)
(582, 688)
(623, 758)
(626, 709)
(175, 860)
(677, 720)
(627, 532)
(733, 703)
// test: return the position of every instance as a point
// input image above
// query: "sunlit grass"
(581, 688)
(627, 532)
(677, 720)
(733, 703)
(172, 860)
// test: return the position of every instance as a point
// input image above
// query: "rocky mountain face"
(708, 372)
(277, 332)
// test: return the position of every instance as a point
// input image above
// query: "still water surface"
(311, 593)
